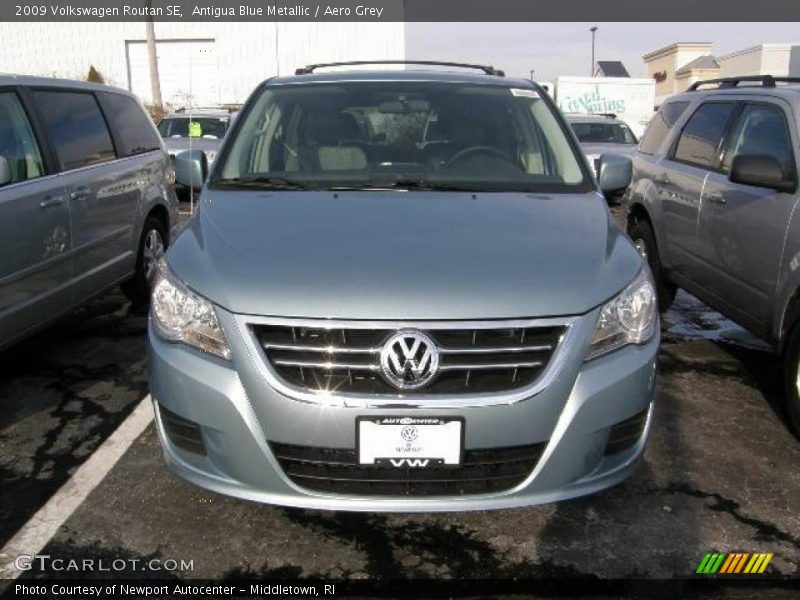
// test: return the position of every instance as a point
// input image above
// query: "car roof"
(444, 76)
(790, 90)
(585, 118)
(222, 114)
(73, 84)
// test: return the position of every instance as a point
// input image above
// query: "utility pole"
(593, 30)
(155, 82)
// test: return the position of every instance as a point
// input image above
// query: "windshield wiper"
(265, 182)
(405, 184)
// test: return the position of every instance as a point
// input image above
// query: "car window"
(762, 130)
(76, 126)
(196, 127)
(700, 141)
(659, 126)
(603, 133)
(440, 134)
(134, 128)
(18, 145)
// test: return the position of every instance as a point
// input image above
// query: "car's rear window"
(197, 127)
(603, 133)
(402, 134)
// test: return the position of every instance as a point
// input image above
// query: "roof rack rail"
(768, 81)
(488, 69)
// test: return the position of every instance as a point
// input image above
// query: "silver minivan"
(86, 198)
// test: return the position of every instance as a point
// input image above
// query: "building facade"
(663, 65)
(782, 60)
(199, 63)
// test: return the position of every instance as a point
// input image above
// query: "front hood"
(624, 149)
(400, 255)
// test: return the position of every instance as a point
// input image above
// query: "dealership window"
(17, 144)
(659, 126)
(135, 131)
(762, 131)
(77, 128)
(701, 138)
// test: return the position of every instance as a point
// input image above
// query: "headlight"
(630, 318)
(180, 315)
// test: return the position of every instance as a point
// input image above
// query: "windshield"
(603, 133)
(196, 127)
(366, 135)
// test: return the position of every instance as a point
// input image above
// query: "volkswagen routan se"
(403, 291)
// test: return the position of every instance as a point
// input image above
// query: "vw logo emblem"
(409, 359)
(408, 433)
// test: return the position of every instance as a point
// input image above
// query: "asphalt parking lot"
(720, 473)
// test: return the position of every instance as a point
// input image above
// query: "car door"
(102, 193)
(35, 263)
(692, 156)
(742, 228)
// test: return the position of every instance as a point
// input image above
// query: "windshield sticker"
(524, 93)
(195, 129)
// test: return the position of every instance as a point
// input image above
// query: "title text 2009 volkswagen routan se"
(403, 292)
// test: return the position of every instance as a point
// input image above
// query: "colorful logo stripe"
(735, 562)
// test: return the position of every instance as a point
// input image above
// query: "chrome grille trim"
(247, 324)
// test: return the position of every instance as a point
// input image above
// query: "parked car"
(602, 133)
(86, 198)
(200, 129)
(358, 320)
(713, 206)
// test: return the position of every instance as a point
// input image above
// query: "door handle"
(716, 198)
(662, 179)
(51, 201)
(79, 193)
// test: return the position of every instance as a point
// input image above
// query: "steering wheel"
(461, 155)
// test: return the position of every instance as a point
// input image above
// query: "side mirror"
(191, 168)
(614, 172)
(761, 171)
(5, 171)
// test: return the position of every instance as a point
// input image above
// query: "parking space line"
(42, 526)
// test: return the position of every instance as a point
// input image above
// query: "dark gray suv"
(86, 198)
(713, 206)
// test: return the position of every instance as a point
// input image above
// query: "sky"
(552, 49)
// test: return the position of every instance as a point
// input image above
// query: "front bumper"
(238, 414)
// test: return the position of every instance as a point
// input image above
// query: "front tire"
(152, 246)
(791, 372)
(645, 240)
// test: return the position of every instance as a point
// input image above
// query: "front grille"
(182, 432)
(337, 471)
(625, 434)
(347, 360)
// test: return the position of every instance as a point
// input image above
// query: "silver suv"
(86, 198)
(366, 316)
(713, 206)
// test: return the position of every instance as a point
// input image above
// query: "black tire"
(138, 287)
(791, 362)
(642, 235)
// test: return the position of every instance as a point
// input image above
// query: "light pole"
(532, 70)
(593, 30)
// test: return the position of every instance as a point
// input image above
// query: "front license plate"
(409, 441)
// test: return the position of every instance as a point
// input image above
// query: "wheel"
(791, 376)
(645, 241)
(152, 246)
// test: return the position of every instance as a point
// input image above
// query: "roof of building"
(674, 48)
(612, 68)
(705, 62)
